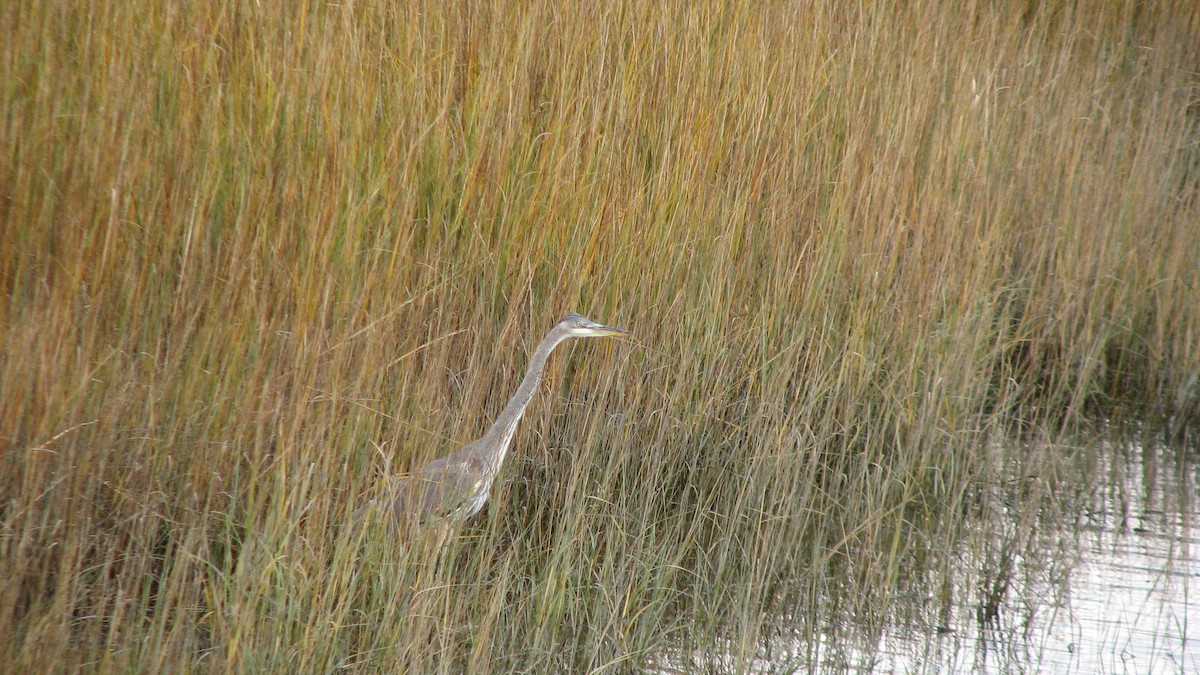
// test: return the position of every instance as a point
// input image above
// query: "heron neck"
(498, 438)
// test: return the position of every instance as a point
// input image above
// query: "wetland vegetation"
(889, 268)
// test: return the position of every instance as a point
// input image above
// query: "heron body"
(457, 486)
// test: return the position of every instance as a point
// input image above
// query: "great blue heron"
(456, 487)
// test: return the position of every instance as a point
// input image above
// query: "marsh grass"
(256, 256)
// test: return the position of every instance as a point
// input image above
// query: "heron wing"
(438, 490)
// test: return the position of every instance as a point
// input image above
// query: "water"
(1119, 592)
(1110, 582)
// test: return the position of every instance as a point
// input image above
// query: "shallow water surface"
(1120, 594)
(1096, 573)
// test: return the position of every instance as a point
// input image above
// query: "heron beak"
(610, 330)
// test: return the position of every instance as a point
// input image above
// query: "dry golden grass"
(254, 254)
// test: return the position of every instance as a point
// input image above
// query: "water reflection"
(1118, 592)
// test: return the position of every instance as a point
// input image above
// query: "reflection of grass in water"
(239, 247)
(992, 576)
(1033, 580)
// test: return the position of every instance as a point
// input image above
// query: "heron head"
(576, 325)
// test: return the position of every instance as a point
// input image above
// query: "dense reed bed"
(256, 256)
